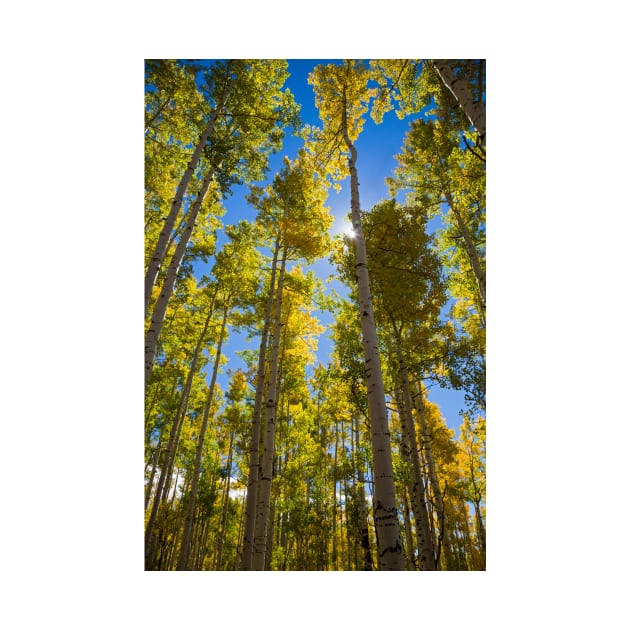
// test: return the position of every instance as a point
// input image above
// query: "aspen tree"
(224, 506)
(475, 110)
(253, 474)
(342, 97)
(266, 465)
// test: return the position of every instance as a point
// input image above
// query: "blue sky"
(376, 147)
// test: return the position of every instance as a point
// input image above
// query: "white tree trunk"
(411, 557)
(390, 549)
(475, 111)
(253, 477)
(363, 521)
(266, 467)
(225, 503)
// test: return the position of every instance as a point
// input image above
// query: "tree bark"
(225, 505)
(368, 563)
(254, 467)
(411, 556)
(390, 550)
(266, 469)
(467, 542)
(157, 259)
(475, 110)
(239, 537)
(270, 526)
(182, 564)
(203, 545)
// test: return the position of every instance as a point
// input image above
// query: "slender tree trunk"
(195, 538)
(354, 541)
(159, 312)
(167, 489)
(279, 529)
(346, 503)
(239, 538)
(411, 555)
(448, 545)
(458, 549)
(254, 465)
(162, 551)
(288, 543)
(225, 505)
(270, 525)
(182, 563)
(468, 546)
(203, 544)
(390, 548)
(481, 535)
(368, 563)
(266, 469)
(469, 246)
(475, 110)
(479, 526)
(334, 501)
(173, 545)
(157, 259)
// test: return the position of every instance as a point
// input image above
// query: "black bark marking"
(397, 548)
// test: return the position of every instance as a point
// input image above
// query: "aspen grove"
(295, 344)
